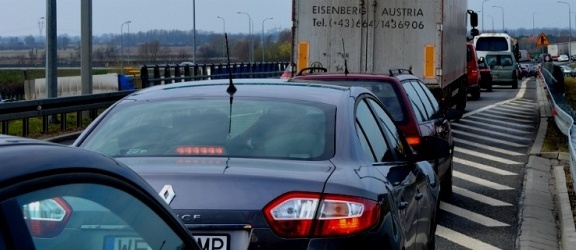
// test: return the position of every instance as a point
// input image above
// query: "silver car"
(504, 68)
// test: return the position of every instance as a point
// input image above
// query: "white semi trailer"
(373, 36)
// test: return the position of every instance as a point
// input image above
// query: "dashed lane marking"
(508, 129)
(462, 239)
(482, 167)
(479, 197)
(490, 139)
(469, 215)
(481, 182)
(492, 121)
(487, 156)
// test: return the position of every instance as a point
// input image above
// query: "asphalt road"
(492, 141)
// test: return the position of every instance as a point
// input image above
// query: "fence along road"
(491, 150)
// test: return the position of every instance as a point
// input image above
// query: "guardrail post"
(156, 74)
(195, 72)
(167, 76)
(187, 76)
(177, 73)
(144, 76)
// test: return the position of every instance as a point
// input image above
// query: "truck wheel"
(489, 88)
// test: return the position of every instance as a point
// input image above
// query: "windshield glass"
(492, 44)
(212, 127)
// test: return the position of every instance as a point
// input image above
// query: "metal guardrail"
(59, 107)
(564, 115)
(157, 74)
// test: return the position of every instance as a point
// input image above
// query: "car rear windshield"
(492, 44)
(253, 128)
(499, 60)
(384, 90)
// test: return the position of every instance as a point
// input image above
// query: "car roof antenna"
(345, 58)
(231, 88)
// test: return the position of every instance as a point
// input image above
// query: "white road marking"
(469, 215)
(522, 138)
(479, 197)
(482, 167)
(484, 146)
(486, 156)
(496, 116)
(462, 239)
(490, 139)
(509, 112)
(508, 129)
(481, 182)
(492, 121)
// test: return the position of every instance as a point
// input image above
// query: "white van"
(495, 42)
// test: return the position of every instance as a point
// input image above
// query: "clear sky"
(521, 13)
(22, 17)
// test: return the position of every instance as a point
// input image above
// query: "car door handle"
(419, 196)
(403, 205)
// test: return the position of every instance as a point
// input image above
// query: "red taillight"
(47, 218)
(200, 150)
(413, 141)
(298, 214)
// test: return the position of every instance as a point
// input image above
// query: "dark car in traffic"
(276, 165)
(59, 197)
(413, 107)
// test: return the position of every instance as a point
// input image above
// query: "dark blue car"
(276, 165)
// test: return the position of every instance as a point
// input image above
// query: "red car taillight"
(47, 218)
(298, 214)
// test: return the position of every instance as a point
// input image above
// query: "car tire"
(475, 92)
(514, 82)
(489, 88)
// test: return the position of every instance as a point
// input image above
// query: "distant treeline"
(154, 46)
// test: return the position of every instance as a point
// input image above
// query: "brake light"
(298, 214)
(413, 141)
(200, 150)
(47, 218)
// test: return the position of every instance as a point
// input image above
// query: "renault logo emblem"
(167, 194)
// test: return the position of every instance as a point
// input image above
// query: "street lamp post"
(40, 27)
(249, 34)
(122, 46)
(269, 18)
(483, 14)
(500, 7)
(569, 31)
(224, 32)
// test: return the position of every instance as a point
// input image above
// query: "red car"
(473, 72)
(412, 106)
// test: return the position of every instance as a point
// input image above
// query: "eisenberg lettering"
(338, 10)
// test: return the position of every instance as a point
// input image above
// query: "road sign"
(542, 40)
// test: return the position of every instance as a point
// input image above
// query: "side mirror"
(473, 19)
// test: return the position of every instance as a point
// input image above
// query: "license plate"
(213, 241)
(125, 243)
